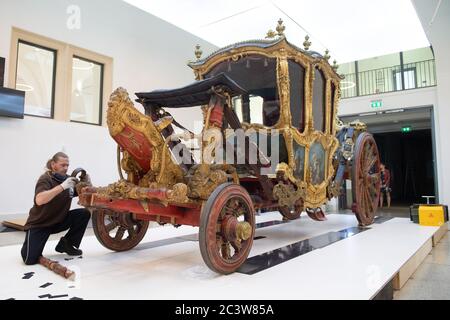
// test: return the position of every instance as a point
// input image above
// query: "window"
(36, 70)
(87, 86)
(255, 107)
(297, 93)
(409, 76)
(319, 101)
(257, 75)
(62, 82)
(333, 107)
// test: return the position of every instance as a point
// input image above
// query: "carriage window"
(333, 107)
(249, 110)
(237, 107)
(257, 75)
(297, 79)
(319, 100)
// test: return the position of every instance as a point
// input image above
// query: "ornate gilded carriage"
(293, 156)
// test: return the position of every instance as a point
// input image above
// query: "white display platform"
(357, 267)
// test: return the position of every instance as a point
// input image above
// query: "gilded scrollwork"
(178, 194)
(287, 194)
(122, 190)
(333, 190)
(126, 190)
(129, 165)
(203, 179)
(122, 113)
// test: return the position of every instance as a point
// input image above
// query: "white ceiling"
(350, 29)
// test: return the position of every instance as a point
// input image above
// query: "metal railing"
(415, 75)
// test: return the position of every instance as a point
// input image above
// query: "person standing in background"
(385, 185)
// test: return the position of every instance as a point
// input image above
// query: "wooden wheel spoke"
(119, 234)
(375, 177)
(373, 188)
(132, 232)
(367, 207)
(366, 152)
(369, 202)
(361, 189)
(226, 250)
(370, 163)
(111, 226)
(237, 246)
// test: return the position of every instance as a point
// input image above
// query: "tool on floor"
(57, 268)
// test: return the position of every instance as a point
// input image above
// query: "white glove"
(69, 183)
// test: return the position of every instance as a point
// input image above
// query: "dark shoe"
(65, 247)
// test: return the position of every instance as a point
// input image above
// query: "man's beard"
(60, 177)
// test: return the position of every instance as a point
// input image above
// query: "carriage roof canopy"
(195, 94)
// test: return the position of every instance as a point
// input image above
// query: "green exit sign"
(376, 104)
(406, 129)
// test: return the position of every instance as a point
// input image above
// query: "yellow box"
(431, 216)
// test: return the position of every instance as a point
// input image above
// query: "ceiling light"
(80, 66)
(349, 85)
(367, 114)
(394, 111)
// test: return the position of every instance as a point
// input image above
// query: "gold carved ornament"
(126, 190)
(121, 113)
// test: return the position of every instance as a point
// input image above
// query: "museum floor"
(173, 257)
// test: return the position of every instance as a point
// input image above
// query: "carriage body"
(294, 156)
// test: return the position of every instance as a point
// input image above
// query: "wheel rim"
(366, 179)
(227, 226)
(118, 231)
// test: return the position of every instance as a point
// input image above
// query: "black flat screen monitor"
(12, 103)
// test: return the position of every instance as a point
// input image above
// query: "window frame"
(55, 66)
(102, 75)
(398, 73)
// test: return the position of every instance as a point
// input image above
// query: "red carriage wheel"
(227, 227)
(366, 179)
(118, 231)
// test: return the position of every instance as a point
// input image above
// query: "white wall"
(392, 100)
(148, 54)
(386, 61)
(437, 31)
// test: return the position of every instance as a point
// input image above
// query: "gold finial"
(307, 43)
(280, 28)
(335, 65)
(327, 55)
(271, 34)
(198, 52)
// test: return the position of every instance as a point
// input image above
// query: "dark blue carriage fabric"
(342, 135)
(195, 94)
